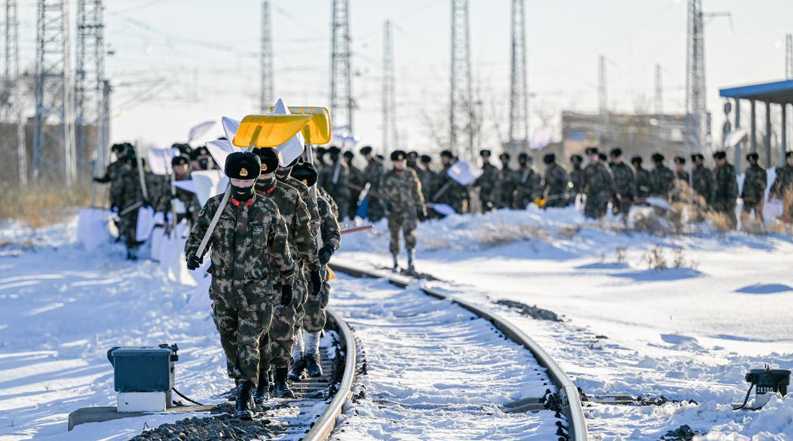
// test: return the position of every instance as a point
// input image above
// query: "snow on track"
(436, 371)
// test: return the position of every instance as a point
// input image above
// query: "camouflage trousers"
(277, 348)
(127, 228)
(376, 211)
(314, 318)
(242, 311)
(405, 221)
(596, 206)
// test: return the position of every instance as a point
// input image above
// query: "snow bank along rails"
(568, 392)
(310, 425)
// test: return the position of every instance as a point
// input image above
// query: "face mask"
(283, 172)
(265, 183)
(242, 193)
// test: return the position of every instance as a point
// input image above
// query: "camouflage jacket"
(448, 191)
(528, 186)
(683, 176)
(702, 181)
(302, 240)
(726, 186)
(783, 181)
(487, 182)
(598, 181)
(372, 174)
(249, 242)
(127, 190)
(335, 179)
(754, 182)
(624, 181)
(506, 192)
(644, 183)
(555, 182)
(113, 175)
(427, 178)
(401, 190)
(577, 179)
(190, 206)
(331, 232)
(662, 181)
(309, 197)
(334, 208)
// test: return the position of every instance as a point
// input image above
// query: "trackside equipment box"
(143, 377)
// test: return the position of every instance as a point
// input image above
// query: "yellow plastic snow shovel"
(264, 131)
(318, 130)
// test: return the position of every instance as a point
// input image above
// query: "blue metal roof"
(779, 92)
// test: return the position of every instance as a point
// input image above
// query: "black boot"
(242, 408)
(312, 365)
(262, 393)
(281, 389)
(298, 367)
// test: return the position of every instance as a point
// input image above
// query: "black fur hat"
(658, 158)
(637, 160)
(576, 159)
(365, 150)
(680, 160)
(305, 172)
(616, 152)
(242, 165)
(269, 159)
(398, 155)
(549, 158)
(720, 154)
(425, 159)
(753, 156)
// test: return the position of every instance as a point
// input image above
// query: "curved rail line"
(323, 427)
(570, 397)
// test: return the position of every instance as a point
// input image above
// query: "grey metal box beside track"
(142, 369)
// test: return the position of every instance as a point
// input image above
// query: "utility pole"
(789, 56)
(341, 102)
(518, 85)
(603, 100)
(461, 103)
(90, 84)
(13, 106)
(696, 104)
(266, 60)
(390, 133)
(54, 88)
(659, 90)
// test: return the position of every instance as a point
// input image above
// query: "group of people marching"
(272, 233)
(597, 178)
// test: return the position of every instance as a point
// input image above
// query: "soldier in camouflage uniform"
(506, 180)
(528, 183)
(427, 176)
(576, 177)
(726, 188)
(413, 160)
(335, 179)
(356, 183)
(487, 182)
(555, 182)
(624, 184)
(448, 191)
(754, 183)
(643, 180)
(598, 186)
(314, 320)
(782, 187)
(112, 175)
(680, 170)
(702, 178)
(250, 259)
(128, 196)
(662, 178)
(401, 191)
(277, 349)
(181, 203)
(372, 174)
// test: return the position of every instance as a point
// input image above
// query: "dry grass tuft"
(40, 206)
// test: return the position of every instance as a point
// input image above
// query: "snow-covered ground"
(435, 371)
(692, 331)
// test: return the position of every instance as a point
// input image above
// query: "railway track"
(565, 399)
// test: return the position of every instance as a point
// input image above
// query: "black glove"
(316, 282)
(193, 262)
(286, 295)
(324, 254)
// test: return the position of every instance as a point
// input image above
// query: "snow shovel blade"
(268, 130)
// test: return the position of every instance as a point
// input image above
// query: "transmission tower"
(789, 56)
(54, 89)
(89, 85)
(603, 97)
(12, 99)
(461, 105)
(266, 60)
(659, 90)
(696, 105)
(518, 90)
(390, 134)
(341, 102)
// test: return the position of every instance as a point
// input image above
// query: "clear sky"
(179, 62)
